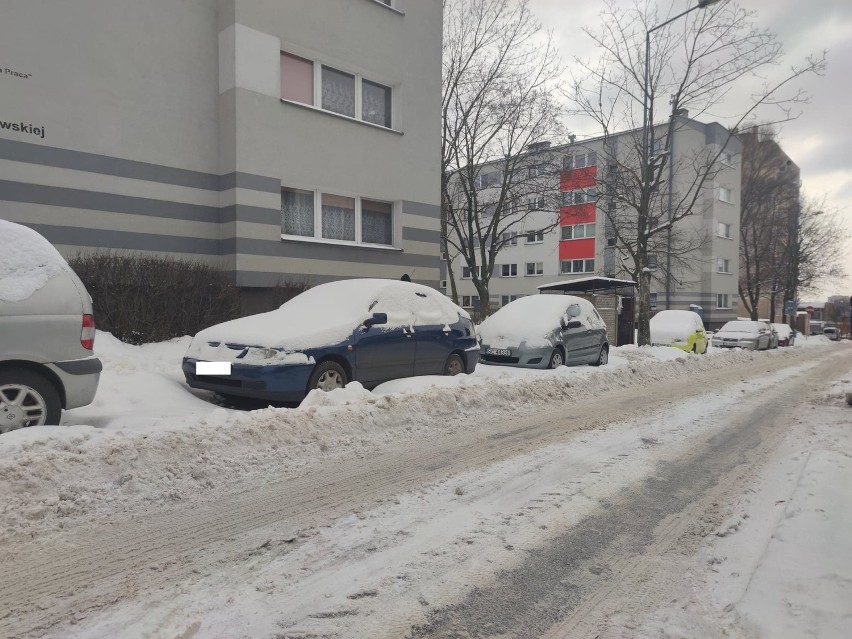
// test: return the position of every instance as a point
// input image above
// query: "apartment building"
(275, 140)
(583, 242)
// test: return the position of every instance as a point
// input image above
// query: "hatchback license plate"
(498, 351)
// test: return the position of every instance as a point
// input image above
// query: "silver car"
(47, 332)
(748, 334)
(544, 331)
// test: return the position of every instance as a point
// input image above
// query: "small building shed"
(614, 299)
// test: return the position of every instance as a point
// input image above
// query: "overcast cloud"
(820, 141)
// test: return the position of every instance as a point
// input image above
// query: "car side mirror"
(574, 324)
(376, 319)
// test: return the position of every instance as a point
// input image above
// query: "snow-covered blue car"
(365, 330)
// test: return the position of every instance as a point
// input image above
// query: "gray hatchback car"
(47, 332)
(544, 331)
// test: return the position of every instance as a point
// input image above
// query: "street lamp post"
(647, 172)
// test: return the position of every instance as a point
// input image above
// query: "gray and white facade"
(275, 140)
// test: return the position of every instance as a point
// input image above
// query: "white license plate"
(498, 351)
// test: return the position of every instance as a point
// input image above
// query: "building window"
(723, 300)
(727, 158)
(307, 82)
(537, 169)
(508, 270)
(577, 266)
(578, 231)
(534, 203)
(579, 161)
(579, 196)
(536, 237)
(466, 272)
(297, 79)
(470, 301)
(375, 103)
(653, 297)
(297, 212)
(486, 180)
(652, 261)
(510, 239)
(443, 283)
(725, 230)
(723, 265)
(726, 195)
(376, 222)
(535, 268)
(342, 218)
(338, 217)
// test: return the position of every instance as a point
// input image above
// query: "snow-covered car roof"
(530, 319)
(674, 325)
(27, 262)
(782, 329)
(328, 313)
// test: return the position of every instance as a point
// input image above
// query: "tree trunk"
(643, 309)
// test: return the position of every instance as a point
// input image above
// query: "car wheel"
(27, 399)
(603, 356)
(454, 365)
(556, 359)
(327, 376)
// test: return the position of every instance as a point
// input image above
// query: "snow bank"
(27, 262)
(148, 439)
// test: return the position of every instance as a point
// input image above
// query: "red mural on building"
(583, 178)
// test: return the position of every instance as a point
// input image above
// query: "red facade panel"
(577, 249)
(578, 178)
(577, 214)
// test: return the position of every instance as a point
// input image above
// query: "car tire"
(603, 356)
(557, 359)
(694, 350)
(454, 365)
(44, 406)
(327, 376)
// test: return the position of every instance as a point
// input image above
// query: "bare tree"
(694, 64)
(769, 220)
(818, 251)
(499, 115)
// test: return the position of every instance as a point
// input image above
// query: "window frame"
(728, 227)
(727, 299)
(319, 65)
(725, 190)
(585, 264)
(512, 267)
(538, 268)
(358, 241)
(537, 235)
(723, 265)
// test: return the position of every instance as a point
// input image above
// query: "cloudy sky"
(820, 140)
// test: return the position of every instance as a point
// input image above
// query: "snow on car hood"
(27, 262)
(673, 326)
(531, 319)
(327, 314)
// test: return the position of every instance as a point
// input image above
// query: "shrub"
(140, 298)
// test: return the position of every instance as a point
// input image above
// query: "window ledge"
(310, 107)
(321, 240)
(724, 237)
(387, 6)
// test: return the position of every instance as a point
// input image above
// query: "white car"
(748, 334)
(831, 333)
(47, 333)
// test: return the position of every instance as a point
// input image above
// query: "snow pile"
(328, 314)
(532, 319)
(27, 262)
(148, 439)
